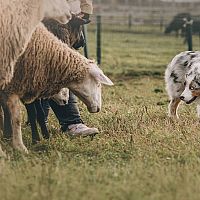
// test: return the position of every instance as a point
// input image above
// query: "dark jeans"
(67, 114)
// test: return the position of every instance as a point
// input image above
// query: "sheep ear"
(78, 21)
(100, 76)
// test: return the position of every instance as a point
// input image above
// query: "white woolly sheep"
(71, 34)
(46, 66)
(18, 20)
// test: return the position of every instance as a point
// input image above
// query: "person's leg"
(69, 118)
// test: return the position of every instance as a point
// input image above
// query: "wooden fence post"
(98, 38)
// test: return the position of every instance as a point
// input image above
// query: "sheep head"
(89, 89)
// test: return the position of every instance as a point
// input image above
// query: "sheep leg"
(13, 104)
(173, 106)
(32, 116)
(41, 118)
(1, 118)
(5, 117)
(7, 124)
(2, 154)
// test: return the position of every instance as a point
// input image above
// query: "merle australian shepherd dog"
(182, 78)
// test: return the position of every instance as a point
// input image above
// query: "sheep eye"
(184, 83)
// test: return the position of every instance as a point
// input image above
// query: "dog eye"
(192, 88)
(184, 83)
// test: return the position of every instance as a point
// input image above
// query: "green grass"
(140, 153)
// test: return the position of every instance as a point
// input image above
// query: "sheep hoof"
(2, 154)
(21, 148)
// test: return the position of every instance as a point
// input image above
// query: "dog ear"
(197, 78)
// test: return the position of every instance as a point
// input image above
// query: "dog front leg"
(198, 111)
(173, 107)
(14, 107)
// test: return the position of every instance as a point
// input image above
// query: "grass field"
(140, 153)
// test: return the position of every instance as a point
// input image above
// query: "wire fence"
(115, 28)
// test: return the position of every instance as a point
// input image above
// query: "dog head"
(192, 84)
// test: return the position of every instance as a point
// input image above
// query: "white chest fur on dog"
(182, 78)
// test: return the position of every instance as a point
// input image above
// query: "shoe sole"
(83, 136)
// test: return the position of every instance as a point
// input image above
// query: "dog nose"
(182, 98)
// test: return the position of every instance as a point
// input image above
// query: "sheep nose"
(182, 98)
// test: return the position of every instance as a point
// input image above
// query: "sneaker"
(81, 130)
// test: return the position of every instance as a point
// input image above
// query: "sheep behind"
(18, 20)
